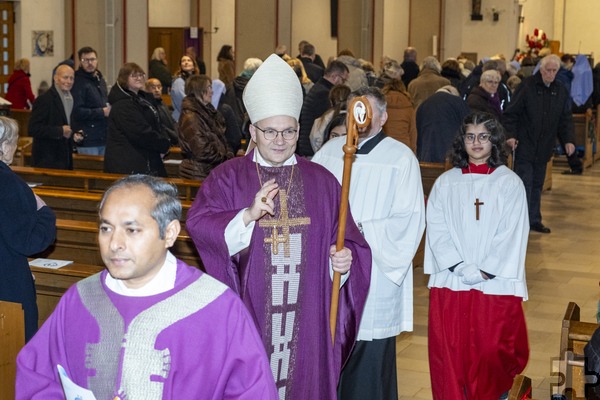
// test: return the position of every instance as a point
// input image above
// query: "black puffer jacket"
(89, 99)
(135, 142)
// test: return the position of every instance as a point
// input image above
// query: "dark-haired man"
(90, 108)
(317, 102)
(150, 326)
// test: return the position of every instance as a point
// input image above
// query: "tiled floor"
(561, 267)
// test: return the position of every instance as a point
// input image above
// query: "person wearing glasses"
(265, 225)
(485, 97)
(90, 108)
(136, 142)
(476, 242)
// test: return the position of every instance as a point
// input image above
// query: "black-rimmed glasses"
(482, 137)
(271, 134)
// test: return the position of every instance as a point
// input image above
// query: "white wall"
(223, 16)
(582, 32)
(311, 21)
(178, 14)
(40, 15)
(137, 35)
(395, 30)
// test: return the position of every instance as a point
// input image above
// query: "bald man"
(50, 123)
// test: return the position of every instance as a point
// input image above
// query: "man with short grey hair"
(149, 326)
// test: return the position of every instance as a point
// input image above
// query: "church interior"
(562, 267)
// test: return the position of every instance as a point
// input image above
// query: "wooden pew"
(521, 388)
(96, 163)
(81, 206)
(12, 339)
(22, 117)
(78, 241)
(582, 126)
(91, 181)
(575, 334)
(430, 172)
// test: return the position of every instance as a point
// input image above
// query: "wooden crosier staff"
(359, 116)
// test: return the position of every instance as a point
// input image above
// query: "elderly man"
(539, 113)
(167, 123)
(90, 107)
(150, 326)
(262, 227)
(50, 123)
(428, 81)
(409, 65)
(386, 197)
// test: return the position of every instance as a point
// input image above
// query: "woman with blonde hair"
(157, 68)
(19, 86)
(298, 67)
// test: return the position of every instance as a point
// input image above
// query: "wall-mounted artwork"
(42, 43)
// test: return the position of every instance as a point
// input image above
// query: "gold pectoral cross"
(477, 204)
(284, 221)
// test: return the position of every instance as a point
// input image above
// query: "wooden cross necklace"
(284, 221)
(477, 202)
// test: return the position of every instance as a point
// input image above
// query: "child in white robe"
(477, 232)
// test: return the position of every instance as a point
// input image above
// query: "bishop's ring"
(263, 199)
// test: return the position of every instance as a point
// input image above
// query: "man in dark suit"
(50, 123)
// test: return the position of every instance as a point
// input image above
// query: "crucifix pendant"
(477, 204)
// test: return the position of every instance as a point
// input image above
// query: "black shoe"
(572, 172)
(539, 227)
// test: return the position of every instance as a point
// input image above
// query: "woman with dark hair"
(187, 68)
(226, 66)
(28, 227)
(201, 131)
(477, 231)
(338, 97)
(135, 142)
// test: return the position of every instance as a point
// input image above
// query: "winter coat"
(201, 138)
(19, 90)
(315, 104)
(401, 124)
(536, 116)
(50, 148)
(426, 84)
(135, 142)
(480, 100)
(157, 69)
(89, 99)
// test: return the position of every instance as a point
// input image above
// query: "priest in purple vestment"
(151, 327)
(266, 225)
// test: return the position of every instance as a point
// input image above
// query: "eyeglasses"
(89, 60)
(482, 137)
(271, 134)
(493, 82)
(138, 75)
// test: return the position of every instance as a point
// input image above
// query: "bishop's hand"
(263, 202)
(340, 260)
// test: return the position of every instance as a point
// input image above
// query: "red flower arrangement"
(537, 41)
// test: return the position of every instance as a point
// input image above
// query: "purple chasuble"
(286, 285)
(195, 341)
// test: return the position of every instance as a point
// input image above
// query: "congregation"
(265, 145)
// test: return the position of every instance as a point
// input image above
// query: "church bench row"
(575, 334)
(78, 241)
(91, 181)
(89, 162)
(78, 205)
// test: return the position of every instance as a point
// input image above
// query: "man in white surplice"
(386, 198)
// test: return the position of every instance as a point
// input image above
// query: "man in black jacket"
(539, 112)
(90, 109)
(317, 102)
(50, 123)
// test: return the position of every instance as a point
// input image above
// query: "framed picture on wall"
(42, 43)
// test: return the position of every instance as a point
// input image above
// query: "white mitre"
(273, 90)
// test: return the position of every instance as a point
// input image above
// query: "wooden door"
(170, 39)
(425, 27)
(7, 44)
